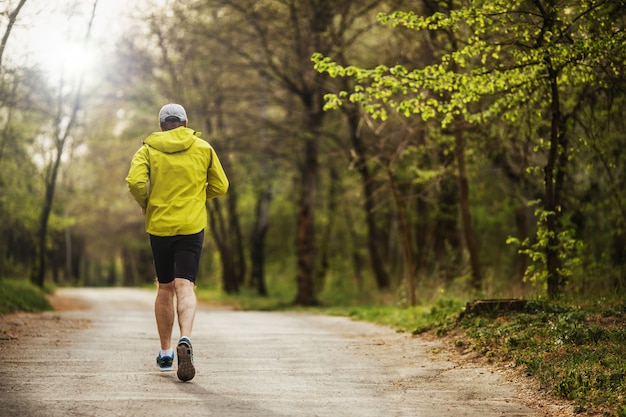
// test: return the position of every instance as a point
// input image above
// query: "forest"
(374, 147)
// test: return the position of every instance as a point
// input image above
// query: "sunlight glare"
(63, 58)
(52, 35)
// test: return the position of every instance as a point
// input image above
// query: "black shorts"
(176, 256)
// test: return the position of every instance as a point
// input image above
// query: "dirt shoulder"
(531, 392)
(22, 326)
(66, 303)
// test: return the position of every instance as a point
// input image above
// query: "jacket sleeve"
(217, 182)
(138, 176)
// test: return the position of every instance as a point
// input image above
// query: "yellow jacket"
(171, 176)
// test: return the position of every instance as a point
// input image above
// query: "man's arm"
(217, 182)
(138, 177)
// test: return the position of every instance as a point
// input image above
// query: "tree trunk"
(305, 241)
(129, 269)
(521, 259)
(318, 17)
(447, 246)
(421, 232)
(38, 273)
(331, 215)
(264, 199)
(235, 237)
(408, 251)
(550, 201)
(12, 19)
(464, 192)
(618, 260)
(68, 254)
(219, 230)
(373, 236)
(464, 201)
(357, 259)
(61, 135)
(257, 249)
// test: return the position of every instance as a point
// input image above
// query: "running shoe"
(186, 370)
(165, 363)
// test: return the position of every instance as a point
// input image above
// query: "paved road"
(248, 364)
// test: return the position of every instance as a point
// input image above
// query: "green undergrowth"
(21, 295)
(438, 316)
(246, 299)
(576, 350)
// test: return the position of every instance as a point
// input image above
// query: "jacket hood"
(172, 141)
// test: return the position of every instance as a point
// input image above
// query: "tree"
(22, 94)
(12, 16)
(63, 122)
(514, 52)
(276, 39)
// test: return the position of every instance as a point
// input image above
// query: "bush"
(21, 295)
(576, 350)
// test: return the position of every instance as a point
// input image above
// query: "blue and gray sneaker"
(186, 370)
(165, 363)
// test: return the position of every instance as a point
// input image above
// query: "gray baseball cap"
(172, 110)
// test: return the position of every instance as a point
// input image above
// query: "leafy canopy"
(501, 49)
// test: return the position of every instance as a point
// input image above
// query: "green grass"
(21, 295)
(576, 350)
(247, 299)
(437, 317)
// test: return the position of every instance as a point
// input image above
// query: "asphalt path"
(248, 364)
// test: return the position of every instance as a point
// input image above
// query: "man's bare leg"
(186, 308)
(164, 313)
(185, 305)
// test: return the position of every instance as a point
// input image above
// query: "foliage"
(504, 55)
(502, 59)
(21, 295)
(576, 350)
(482, 68)
(247, 299)
(438, 315)
(570, 254)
